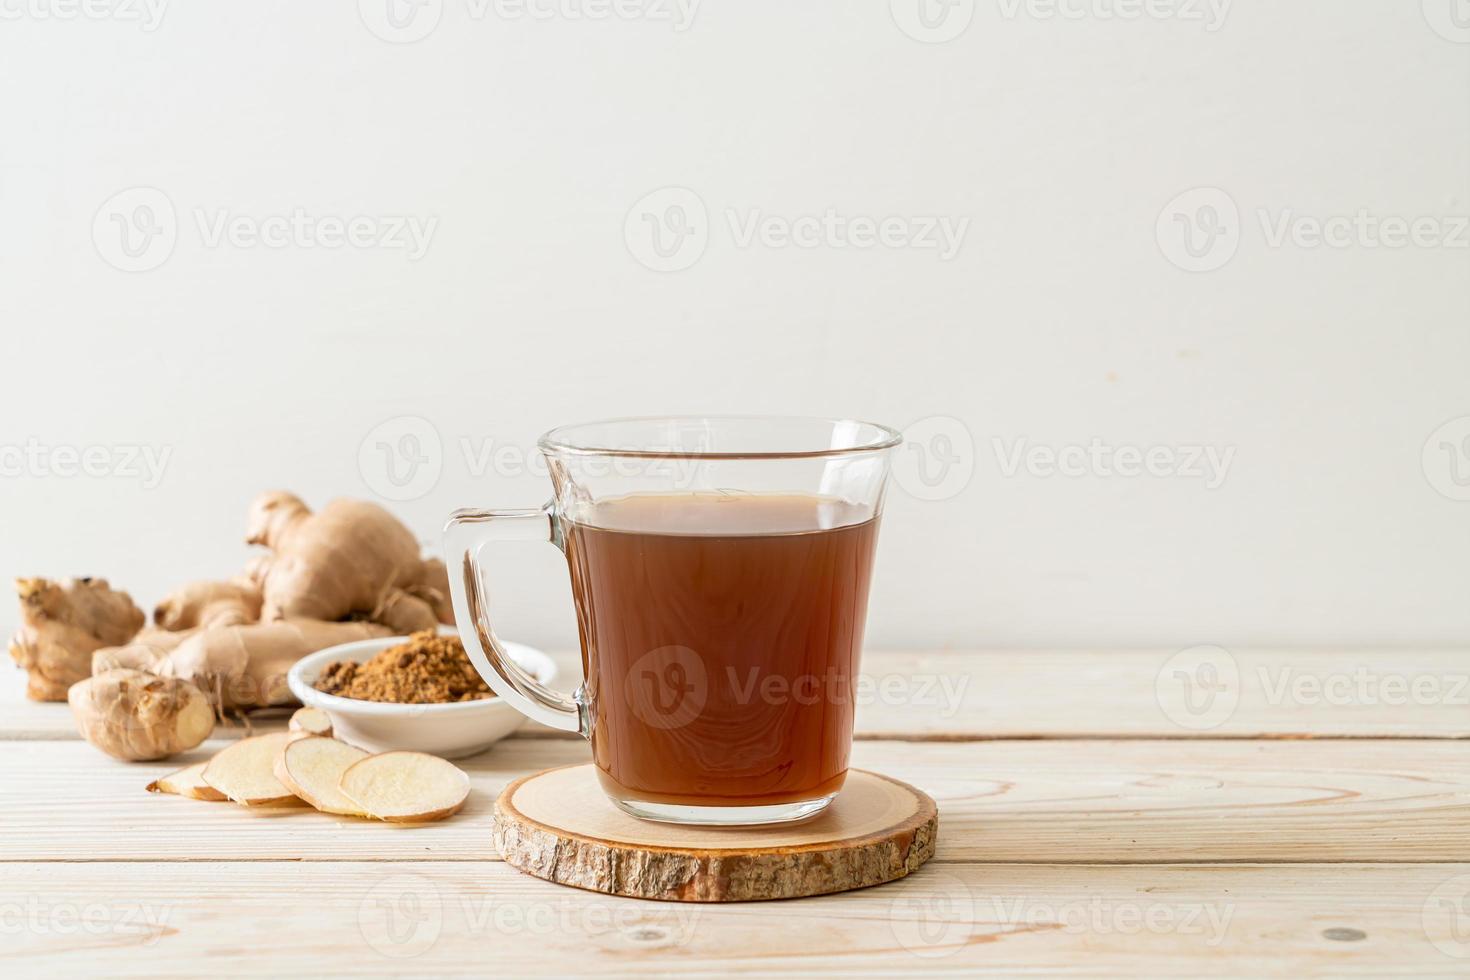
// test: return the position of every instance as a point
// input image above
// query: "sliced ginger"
(187, 782)
(406, 787)
(245, 771)
(312, 767)
(313, 721)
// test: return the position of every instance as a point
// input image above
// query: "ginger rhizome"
(137, 717)
(61, 624)
(349, 572)
(351, 557)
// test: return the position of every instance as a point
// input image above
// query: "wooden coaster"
(558, 825)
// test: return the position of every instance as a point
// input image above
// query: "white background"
(1065, 315)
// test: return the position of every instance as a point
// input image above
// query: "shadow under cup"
(720, 570)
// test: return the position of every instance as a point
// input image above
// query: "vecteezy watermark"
(400, 21)
(937, 458)
(1201, 230)
(125, 461)
(1210, 464)
(932, 21)
(407, 21)
(137, 229)
(402, 458)
(1446, 459)
(668, 230)
(935, 914)
(1098, 916)
(147, 14)
(669, 688)
(679, 14)
(1363, 229)
(932, 914)
(1362, 686)
(1450, 19)
(126, 920)
(403, 915)
(1209, 13)
(1198, 688)
(1446, 917)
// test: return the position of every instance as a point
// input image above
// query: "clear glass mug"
(720, 571)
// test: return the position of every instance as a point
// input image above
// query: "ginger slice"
(245, 771)
(406, 787)
(187, 782)
(313, 721)
(312, 766)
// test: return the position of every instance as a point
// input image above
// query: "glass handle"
(464, 535)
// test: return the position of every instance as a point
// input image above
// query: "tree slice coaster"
(558, 825)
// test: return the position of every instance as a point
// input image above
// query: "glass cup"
(720, 570)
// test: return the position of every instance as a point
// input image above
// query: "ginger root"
(237, 666)
(136, 717)
(206, 604)
(62, 623)
(351, 557)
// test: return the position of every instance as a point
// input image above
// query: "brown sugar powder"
(428, 669)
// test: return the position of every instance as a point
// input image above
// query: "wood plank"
(1381, 693)
(265, 918)
(1030, 801)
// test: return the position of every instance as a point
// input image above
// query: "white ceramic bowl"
(450, 731)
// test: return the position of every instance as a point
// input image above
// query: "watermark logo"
(1446, 917)
(1363, 229)
(1362, 686)
(668, 229)
(932, 21)
(1210, 464)
(667, 688)
(1450, 19)
(937, 458)
(130, 924)
(1199, 230)
(932, 915)
(1446, 459)
(125, 461)
(400, 21)
(678, 13)
(940, 233)
(402, 458)
(639, 925)
(1099, 916)
(147, 14)
(135, 230)
(1198, 688)
(401, 916)
(1210, 13)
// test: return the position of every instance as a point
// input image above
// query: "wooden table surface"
(1264, 812)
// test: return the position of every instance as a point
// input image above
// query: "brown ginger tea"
(720, 637)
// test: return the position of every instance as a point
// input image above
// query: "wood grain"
(266, 918)
(1043, 801)
(558, 825)
(1090, 694)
